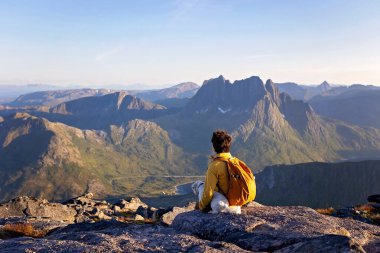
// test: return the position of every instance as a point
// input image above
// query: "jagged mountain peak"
(219, 94)
(220, 80)
(324, 83)
(325, 86)
(273, 90)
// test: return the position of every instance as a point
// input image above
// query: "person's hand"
(197, 206)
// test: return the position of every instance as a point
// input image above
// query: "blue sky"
(101, 43)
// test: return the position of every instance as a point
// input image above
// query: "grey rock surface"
(32, 207)
(168, 217)
(113, 236)
(183, 229)
(269, 228)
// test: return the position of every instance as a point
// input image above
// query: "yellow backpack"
(242, 186)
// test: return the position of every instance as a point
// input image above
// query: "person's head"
(221, 141)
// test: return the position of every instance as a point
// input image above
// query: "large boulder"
(131, 206)
(32, 207)
(89, 209)
(17, 227)
(168, 217)
(85, 199)
(269, 228)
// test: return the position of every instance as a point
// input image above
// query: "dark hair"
(221, 141)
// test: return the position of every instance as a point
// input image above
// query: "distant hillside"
(182, 90)
(304, 92)
(359, 107)
(55, 97)
(55, 161)
(102, 111)
(307, 92)
(318, 185)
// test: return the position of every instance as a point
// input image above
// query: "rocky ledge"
(86, 225)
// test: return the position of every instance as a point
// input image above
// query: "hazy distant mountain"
(318, 185)
(5, 100)
(13, 91)
(269, 127)
(357, 106)
(101, 111)
(304, 92)
(182, 90)
(55, 97)
(307, 92)
(55, 161)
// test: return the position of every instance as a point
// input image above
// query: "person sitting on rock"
(227, 175)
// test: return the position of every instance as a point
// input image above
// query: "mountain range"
(304, 92)
(307, 92)
(118, 143)
(358, 107)
(355, 104)
(268, 127)
(55, 97)
(101, 112)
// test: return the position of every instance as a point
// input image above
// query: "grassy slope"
(71, 161)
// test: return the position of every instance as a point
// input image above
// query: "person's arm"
(209, 186)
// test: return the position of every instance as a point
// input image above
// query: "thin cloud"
(109, 53)
(182, 8)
